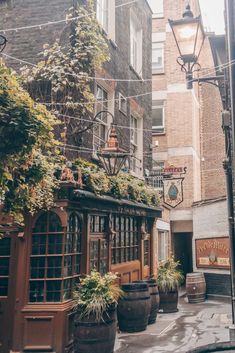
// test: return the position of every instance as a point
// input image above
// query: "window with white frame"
(136, 145)
(157, 7)
(136, 44)
(122, 103)
(100, 129)
(158, 57)
(163, 244)
(105, 14)
(158, 116)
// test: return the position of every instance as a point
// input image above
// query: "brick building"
(43, 261)
(187, 133)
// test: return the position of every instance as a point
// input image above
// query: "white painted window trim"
(161, 46)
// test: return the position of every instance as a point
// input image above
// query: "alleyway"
(194, 325)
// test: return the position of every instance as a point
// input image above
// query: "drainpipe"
(230, 28)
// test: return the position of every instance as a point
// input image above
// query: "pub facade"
(42, 263)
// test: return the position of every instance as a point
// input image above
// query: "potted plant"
(95, 322)
(169, 279)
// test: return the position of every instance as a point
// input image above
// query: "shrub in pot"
(169, 278)
(95, 321)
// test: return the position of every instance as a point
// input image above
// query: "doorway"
(182, 243)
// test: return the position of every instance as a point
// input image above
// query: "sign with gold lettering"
(213, 252)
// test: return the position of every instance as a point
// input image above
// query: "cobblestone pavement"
(192, 326)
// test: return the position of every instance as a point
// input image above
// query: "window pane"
(5, 246)
(157, 117)
(77, 264)
(156, 6)
(38, 267)
(38, 244)
(36, 291)
(68, 243)
(3, 287)
(4, 266)
(55, 242)
(53, 290)
(67, 289)
(157, 56)
(68, 268)
(54, 267)
(41, 224)
(54, 223)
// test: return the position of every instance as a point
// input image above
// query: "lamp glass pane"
(200, 40)
(186, 35)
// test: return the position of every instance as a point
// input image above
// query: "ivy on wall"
(28, 149)
(122, 186)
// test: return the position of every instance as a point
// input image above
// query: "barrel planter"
(134, 307)
(154, 299)
(92, 336)
(168, 301)
(196, 287)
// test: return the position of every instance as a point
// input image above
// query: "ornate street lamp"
(112, 157)
(189, 36)
(3, 43)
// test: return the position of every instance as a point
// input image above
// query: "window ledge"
(158, 72)
(136, 73)
(160, 16)
(154, 132)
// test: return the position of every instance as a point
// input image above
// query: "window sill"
(160, 16)
(157, 133)
(158, 72)
(136, 73)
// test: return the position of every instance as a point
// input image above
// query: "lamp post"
(112, 157)
(189, 36)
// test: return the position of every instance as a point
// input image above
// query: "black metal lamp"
(189, 36)
(3, 43)
(112, 156)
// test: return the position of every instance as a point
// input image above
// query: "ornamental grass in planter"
(169, 279)
(95, 321)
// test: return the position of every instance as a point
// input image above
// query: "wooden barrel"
(195, 287)
(134, 307)
(168, 301)
(154, 299)
(92, 336)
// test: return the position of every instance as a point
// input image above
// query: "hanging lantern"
(112, 157)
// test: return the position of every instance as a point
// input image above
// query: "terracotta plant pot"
(168, 301)
(92, 336)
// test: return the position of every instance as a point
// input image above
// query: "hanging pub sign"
(213, 253)
(173, 191)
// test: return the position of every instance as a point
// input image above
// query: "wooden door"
(7, 291)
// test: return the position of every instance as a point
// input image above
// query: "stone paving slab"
(192, 326)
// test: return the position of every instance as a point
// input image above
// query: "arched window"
(55, 259)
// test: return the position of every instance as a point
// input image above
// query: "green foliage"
(27, 149)
(169, 277)
(63, 76)
(122, 186)
(96, 293)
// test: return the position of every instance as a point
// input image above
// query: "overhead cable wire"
(50, 23)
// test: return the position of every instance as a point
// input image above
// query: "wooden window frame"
(47, 256)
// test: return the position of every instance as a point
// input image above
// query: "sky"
(213, 15)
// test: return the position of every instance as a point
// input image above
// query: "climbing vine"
(63, 77)
(28, 152)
